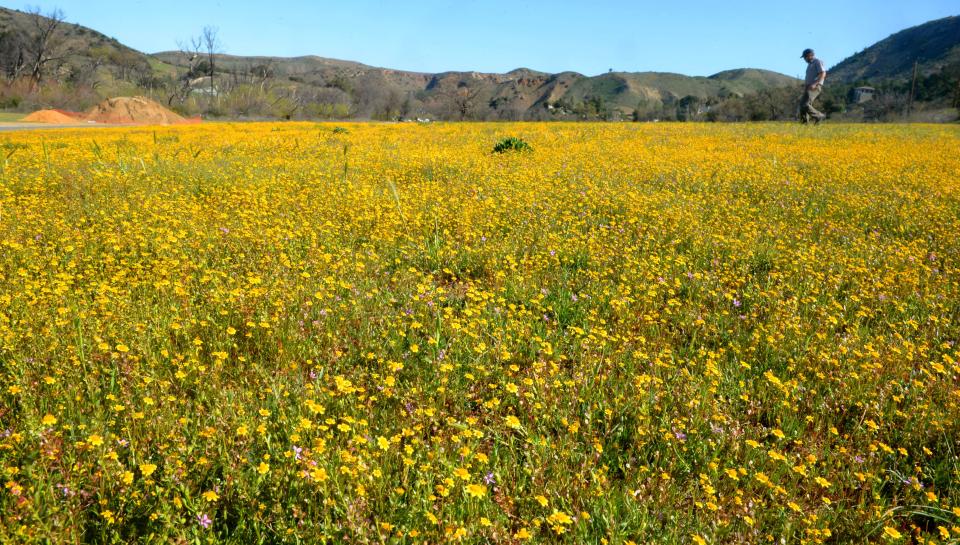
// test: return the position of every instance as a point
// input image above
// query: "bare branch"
(44, 39)
(211, 42)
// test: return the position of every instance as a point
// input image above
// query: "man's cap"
(806, 52)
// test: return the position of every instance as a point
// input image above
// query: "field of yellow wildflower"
(386, 333)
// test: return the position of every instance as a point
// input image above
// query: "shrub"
(511, 143)
(9, 102)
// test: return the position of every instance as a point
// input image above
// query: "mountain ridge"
(171, 54)
(89, 66)
(934, 45)
(316, 85)
(510, 94)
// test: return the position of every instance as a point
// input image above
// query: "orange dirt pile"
(79, 116)
(49, 116)
(139, 110)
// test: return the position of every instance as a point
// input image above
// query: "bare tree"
(44, 40)
(86, 74)
(263, 72)
(12, 54)
(191, 52)
(212, 45)
(462, 99)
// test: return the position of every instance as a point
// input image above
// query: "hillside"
(77, 53)
(80, 66)
(89, 66)
(935, 44)
(514, 94)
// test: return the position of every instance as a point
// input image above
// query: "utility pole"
(913, 89)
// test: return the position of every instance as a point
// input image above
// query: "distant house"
(204, 91)
(201, 86)
(859, 95)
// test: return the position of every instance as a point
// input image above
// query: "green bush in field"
(511, 143)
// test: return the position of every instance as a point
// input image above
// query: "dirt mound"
(138, 110)
(49, 116)
(79, 116)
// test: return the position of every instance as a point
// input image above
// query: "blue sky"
(695, 37)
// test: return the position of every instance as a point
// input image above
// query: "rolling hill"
(935, 45)
(515, 92)
(88, 59)
(81, 52)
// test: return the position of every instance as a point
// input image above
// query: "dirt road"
(18, 126)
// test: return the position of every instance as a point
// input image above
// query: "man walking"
(813, 84)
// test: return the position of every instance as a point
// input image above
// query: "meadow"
(387, 333)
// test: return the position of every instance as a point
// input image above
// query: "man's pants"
(806, 105)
